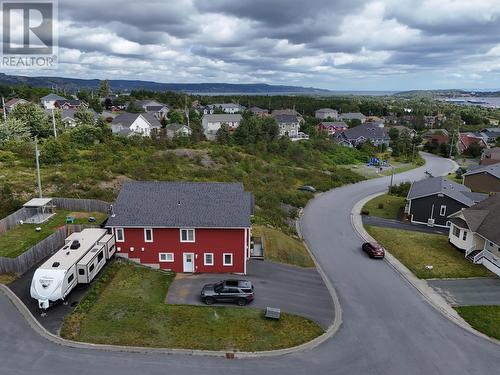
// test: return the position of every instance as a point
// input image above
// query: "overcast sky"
(333, 44)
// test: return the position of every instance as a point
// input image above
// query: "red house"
(332, 127)
(184, 226)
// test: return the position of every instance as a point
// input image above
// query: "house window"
(120, 237)
(464, 236)
(442, 211)
(456, 231)
(148, 235)
(209, 259)
(166, 257)
(187, 235)
(228, 259)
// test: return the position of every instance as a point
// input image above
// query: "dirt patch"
(114, 184)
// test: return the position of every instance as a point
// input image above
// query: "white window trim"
(224, 259)
(464, 235)
(205, 259)
(166, 256)
(122, 232)
(442, 210)
(194, 234)
(145, 238)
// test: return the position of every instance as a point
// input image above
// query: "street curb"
(331, 330)
(421, 285)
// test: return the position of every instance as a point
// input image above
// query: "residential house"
(190, 227)
(288, 111)
(69, 104)
(353, 116)
(326, 113)
(259, 112)
(289, 125)
(475, 231)
(159, 110)
(177, 130)
(10, 104)
(465, 140)
(405, 130)
(212, 123)
(490, 156)
(485, 178)
(48, 101)
(230, 108)
(360, 134)
(490, 135)
(135, 123)
(439, 136)
(432, 200)
(331, 128)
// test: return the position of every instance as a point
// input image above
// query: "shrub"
(380, 206)
(364, 211)
(400, 190)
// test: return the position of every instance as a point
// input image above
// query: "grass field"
(126, 307)
(485, 319)
(391, 206)
(416, 250)
(19, 239)
(282, 248)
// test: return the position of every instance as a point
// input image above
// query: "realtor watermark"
(29, 34)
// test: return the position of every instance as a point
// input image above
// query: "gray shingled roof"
(352, 115)
(223, 117)
(368, 131)
(325, 110)
(182, 205)
(436, 185)
(484, 218)
(493, 170)
(52, 97)
(126, 119)
(285, 119)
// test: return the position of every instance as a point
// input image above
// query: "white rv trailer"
(55, 278)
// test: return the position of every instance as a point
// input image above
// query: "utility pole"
(39, 180)
(54, 123)
(392, 178)
(4, 112)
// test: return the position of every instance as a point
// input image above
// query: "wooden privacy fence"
(41, 250)
(12, 220)
(75, 204)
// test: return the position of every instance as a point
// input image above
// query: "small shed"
(40, 209)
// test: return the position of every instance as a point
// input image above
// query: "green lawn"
(126, 307)
(416, 250)
(485, 319)
(282, 248)
(374, 172)
(386, 206)
(19, 239)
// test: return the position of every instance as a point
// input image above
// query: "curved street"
(388, 328)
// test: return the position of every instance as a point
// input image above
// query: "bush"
(380, 206)
(365, 212)
(400, 190)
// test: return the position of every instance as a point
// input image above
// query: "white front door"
(188, 262)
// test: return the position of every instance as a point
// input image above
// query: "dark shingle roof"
(286, 119)
(126, 119)
(484, 218)
(436, 185)
(182, 204)
(368, 131)
(493, 170)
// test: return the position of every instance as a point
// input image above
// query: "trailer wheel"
(209, 300)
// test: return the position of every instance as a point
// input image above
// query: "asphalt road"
(468, 292)
(388, 328)
(292, 289)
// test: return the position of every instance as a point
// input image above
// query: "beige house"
(475, 230)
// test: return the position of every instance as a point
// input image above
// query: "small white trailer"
(55, 278)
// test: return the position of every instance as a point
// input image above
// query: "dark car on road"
(373, 249)
(228, 291)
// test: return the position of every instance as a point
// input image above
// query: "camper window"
(81, 271)
(91, 268)
(100, 256)
(70, 278)
(56, 264)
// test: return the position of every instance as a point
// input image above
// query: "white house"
(325, 113)
(177, 130)
(476, 231)
(212, 123)
(135, 123)
(48, 101)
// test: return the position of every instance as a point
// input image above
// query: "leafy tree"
(96, 105)
(104, 88)
(86, 135)
(84, 117)
(474, 150)
(54, 150)
(134, 107)
(223, 136)
(34, 118)
(13, 130)
(176, 117)
(394, 133)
